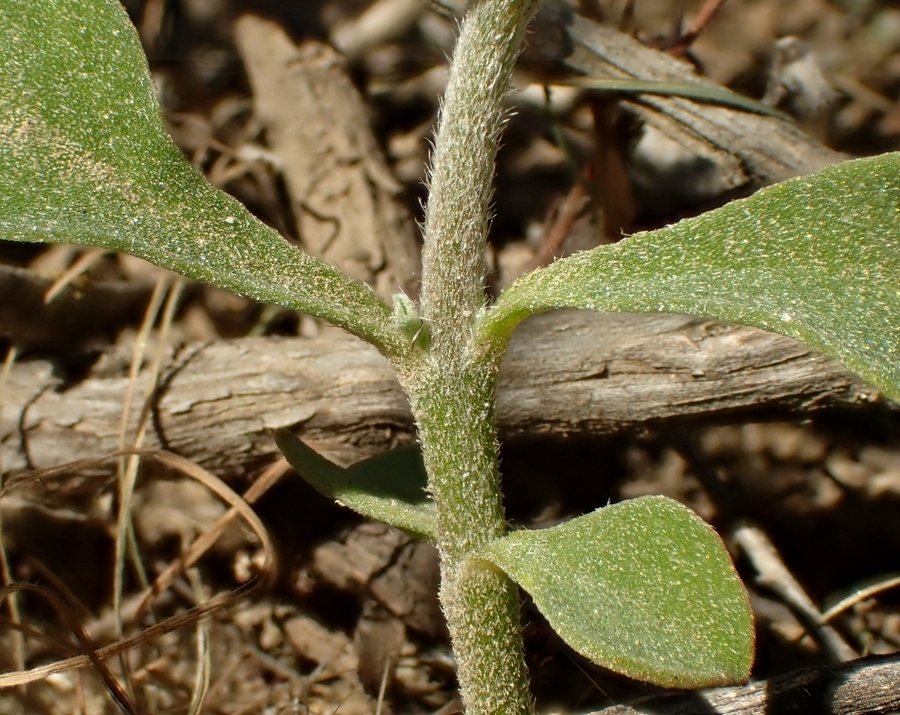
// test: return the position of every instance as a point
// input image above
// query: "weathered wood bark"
(567, 374)
(751, 150)
(870, 685)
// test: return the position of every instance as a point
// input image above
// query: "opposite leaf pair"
(643, 587)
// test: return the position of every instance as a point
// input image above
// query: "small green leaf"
(815, 258)
(85, 158)
(705, 92)
(389, 487)
(643, 587)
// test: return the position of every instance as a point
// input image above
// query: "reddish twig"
(700, 21)
(559, 230)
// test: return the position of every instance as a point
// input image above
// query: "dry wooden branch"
(869, 685)
(751, 150)
(773, 575)
(345, 198)
(567, 374)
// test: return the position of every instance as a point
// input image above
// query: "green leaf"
(85, 158)
(389, 487)
(815, 258)
(643, 587)
(697, 92)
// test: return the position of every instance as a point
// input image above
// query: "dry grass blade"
(13, 603)
(204, 664)
(95, 656)
(202, 544)
(858, 595)
(87, 259)
(85, 643)
(128, 468)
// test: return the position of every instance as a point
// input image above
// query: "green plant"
(643, 587)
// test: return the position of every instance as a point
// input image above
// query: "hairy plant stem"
(451, 386)
(457, 215)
